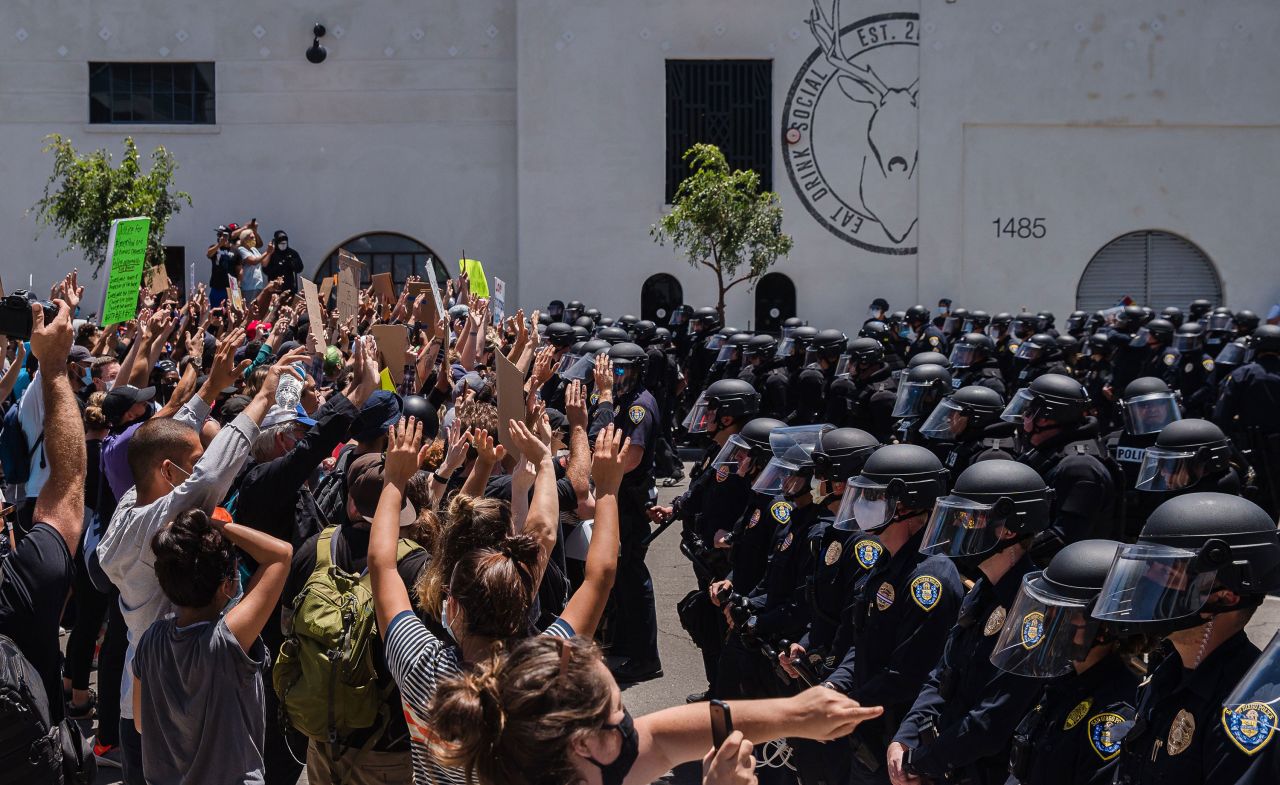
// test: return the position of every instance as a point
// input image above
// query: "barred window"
(728, 103)
(169, 93)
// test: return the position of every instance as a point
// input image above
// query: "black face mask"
(614, 773)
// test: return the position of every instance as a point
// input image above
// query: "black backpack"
(15, 455)
(32, 748)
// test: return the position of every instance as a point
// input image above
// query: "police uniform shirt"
(987, 375)
(1250, 397)
(974, 705)
(636, 415)
(1067, 739)
(872, 408)
(811, 392)
(1182, 734)
(901, 620)
(752, 536)
(725, 498)
(929, 340)
(778, 600)
(774, 388)
(842, 562)
(1071, 464)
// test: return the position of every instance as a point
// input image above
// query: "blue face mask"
(87, 378)
(238, 594)
(444, 618)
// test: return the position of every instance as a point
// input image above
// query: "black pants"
(635, 622)
(110, 671)
(91, 610)
(284, 751)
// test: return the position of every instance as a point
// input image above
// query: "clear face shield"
(727, 353)
(699, 417)
(964, 355)
(1232, 354)
(1250, 711)
(1044, 634)
(1165, 469)
(1188, 343)
(914, 399)
(784, 346)
(734, 458)
(1076, 323)
(1139, 338)
(949, 325)
(1018, 406)
(842, 365)
(787, 332)
(581, 369)
(566, 363)
(946, 422)
(866, 505)
(1154, 583)
(1023, 328)
(792, 459)
(678, 318)
(716, 342)
(963, 527)
(1220, 322)
(1028, 351)
(997, 330)
(625, 378)
(1146, 414)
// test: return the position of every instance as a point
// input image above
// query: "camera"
(15, 314)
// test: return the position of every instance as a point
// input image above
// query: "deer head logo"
(887, 145)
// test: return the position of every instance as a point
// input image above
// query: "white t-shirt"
(252, 278)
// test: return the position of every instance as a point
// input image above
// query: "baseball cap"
(279, 415)
(364, 487)
(380, 412)
(121, 399)
(79, 354)
(232, 407)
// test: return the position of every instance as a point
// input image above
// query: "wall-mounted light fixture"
(316, 53)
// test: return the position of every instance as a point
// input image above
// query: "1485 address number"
(1021, 228)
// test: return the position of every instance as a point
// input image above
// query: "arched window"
(659, 296)
(386, 252)
(1156, 269)
(775, 302)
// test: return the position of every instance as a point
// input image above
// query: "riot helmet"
(1049, 627)
(418, 407)
(1025, 325)
(679, 317)
(1233, 355)
(572, 310)
(705, 319)
(545, 320)
(760, 346)
(1221, 320)
(581, 367)
(990, 499)
(976, 322)
(968, 410)
(629, 361)
(1190, 546)
(1199, 309)
(1148, 406)
(789, 470)
(1076, 322)
(895, 475)
(790, 324)
(999, 325)
(643, 332)
(1129, 319)
(929, 358)
(1054, 396)
(613, 335)
(826, 345)
(971, 350)
(555, 309)
(863, 353)
(917, 316)
(559, 335)
(592, 313)
(879, 331)
(580, 334)
(1161, 330)
(1185, 453)
(1173, 315)
(1189, 338)
(724, 398)
(1040, 347)
(1265, 340)
(920, 389)
(731, 349)
(841, 453)
(661, 336)
(1245, 322)
(585, 322)
(955, 321)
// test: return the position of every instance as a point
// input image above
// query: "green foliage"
(722, 221)
(85, 193)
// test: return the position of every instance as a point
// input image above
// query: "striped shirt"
(419, 662)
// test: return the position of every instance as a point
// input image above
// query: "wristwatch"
(439, 479)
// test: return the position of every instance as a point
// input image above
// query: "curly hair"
(470, 524)
(192, 559)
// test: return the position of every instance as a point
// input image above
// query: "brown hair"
(475, 414)
(494, 587)
(426, 528)
(470, 524)
(158, 438)
(94, 417)
(515, 717)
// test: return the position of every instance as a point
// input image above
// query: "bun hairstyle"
(470, 523)
(192, 559)
(513, 719)
(94, 417)
(494, 588)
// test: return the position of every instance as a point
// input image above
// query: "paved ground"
(673, 578)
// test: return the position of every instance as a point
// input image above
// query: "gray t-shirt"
(202, 705)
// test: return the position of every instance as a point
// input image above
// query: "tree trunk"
(720, 289)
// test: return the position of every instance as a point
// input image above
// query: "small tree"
(85, 193)
(722, 221)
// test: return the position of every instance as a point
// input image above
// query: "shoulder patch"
(1169, 358)
(832, 554)
(884, 596)
(1250, 726)
(1101, 737)
(1032, 630)
(867, 553)
(1207, 364)
(781, 512)
(595, 398)
(994, 622)
(755, 518)
(1078, 713)
(636, 414)
(926, 591)
(933, 341)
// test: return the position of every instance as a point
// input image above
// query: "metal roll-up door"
(1153, 268)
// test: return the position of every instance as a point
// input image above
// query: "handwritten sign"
(159, 277)
(315, 316)
(511, 404)
(435, 291)
(349, 268)
(384, 287)
(126, 255)
(393, 342)
(499, 301)
(326, 287)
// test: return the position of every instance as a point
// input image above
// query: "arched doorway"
(659, 296)
(1155, 268)
(775, 302)
(386, 252)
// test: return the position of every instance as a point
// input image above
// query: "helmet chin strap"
(1204, 640)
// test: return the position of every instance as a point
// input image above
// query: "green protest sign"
(126, 255)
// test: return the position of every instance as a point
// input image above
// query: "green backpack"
(325, 674)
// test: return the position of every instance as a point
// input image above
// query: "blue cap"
(379, 413)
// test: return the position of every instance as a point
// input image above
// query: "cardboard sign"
(384, 287)
(159, 278)
(435, 292)
(429, 312)
(511, 405)
(233, 293)
(326, 288)
(126, 255)
(498, 304)
(315, 316)
(349, 268)
(393, 342)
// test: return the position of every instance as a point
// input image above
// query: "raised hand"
(606, 462)
(604, 376)
(487, 449)
(575, 405)
(51, 343)
(531, 447)
(283, 366)
(224, 371)
(404, 452)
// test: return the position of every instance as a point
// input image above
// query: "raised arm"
(586, 606)
(61, 500)
(578, 469)
(488, 453)
(254, 610)
(543, 522)
(404, 455)
(10, 377)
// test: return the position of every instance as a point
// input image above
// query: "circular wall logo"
(849, 128)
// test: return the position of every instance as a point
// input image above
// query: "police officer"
(1157, 336)
(1006, 343)
(919, 391)
(1188, 368)
(1198, 310)
(815, 379)
(573, 310)
(1094, 372)
(561, 338)
(1249, 408)
(768, 376)
(888, 340)
(1219, 329)
(1147, 406)
(976, 322)
(1036, 356)
(973, 361)
(1201, 567)
(878, 310)
(908, 603)
(961, 723)
(1048, 634)
(624, 401)
(1188, 456)
(923, 337)
(555, 309)
(703, 325)
(1076, 323)
(1251, 709)
(1060, 441)
(1127, 355)
(966, 427)
(866, 396)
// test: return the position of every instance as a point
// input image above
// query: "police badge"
(994, 622)
(833, 553)
(1077, 714)
(1250, 726)
(926, 591)
(1032, 630)
(1100, 736)
(636, 414)
(1181, 731)
(867, 552)
(884, 596)
(781, 512)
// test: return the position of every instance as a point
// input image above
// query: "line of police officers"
(990, 529)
